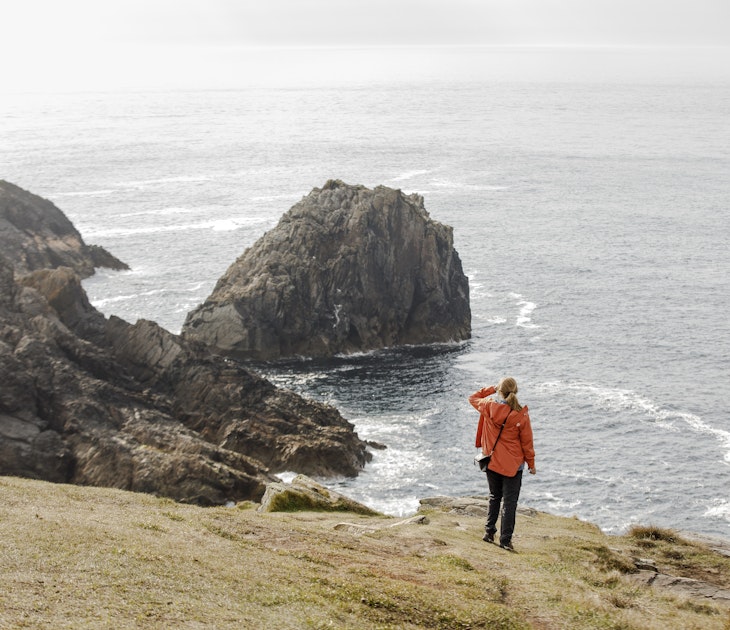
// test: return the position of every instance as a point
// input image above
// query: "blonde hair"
(507, 388)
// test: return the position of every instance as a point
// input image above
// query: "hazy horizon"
(81, 45)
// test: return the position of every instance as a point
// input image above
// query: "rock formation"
(35, 234)
(304, 493)
(96, 401)
(347, 269)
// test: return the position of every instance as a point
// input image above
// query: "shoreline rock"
(35, 234)
(347, 269)
(96, 401)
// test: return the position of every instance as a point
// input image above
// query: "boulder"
(347, 269)
(35, 234)
(306, 494)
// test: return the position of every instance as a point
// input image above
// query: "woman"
(513, 449)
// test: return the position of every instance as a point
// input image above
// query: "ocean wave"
(556, 503)
(156, 212)
(141, 183)
(524, 316)
(215, 225)
(409, 175)
(176, 179)
(84, 193)
(288, 196)
(720, 508)
(451, 185)
(623, 400)
(123, 298)
(287, 476)
(477, 289)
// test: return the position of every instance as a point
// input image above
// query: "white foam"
(291, 197)
(84, 193)
(523, 319)
(409, 175)
(179, 179)
(622, 400)
(157, 212)
(217, 225)
(524, 316)
(719, 509)
(125, 298)
(286, 476)
(451, 185)
(558, 504)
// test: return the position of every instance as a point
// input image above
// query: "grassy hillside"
(73, 557)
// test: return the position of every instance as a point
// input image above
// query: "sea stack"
(347, 269)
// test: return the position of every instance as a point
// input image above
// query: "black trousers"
(503, 492)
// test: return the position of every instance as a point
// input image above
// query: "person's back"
(504, 432)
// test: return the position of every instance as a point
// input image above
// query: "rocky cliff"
(347, 269)
(35, 234)
(96, 401)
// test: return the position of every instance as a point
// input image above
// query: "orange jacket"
(515, 444)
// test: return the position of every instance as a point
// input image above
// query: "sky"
(133, 44)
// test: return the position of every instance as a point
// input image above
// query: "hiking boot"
(508, 546)
(488, 537)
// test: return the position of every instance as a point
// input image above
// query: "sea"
(590, 217)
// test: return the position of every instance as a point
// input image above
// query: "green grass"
(73, 557)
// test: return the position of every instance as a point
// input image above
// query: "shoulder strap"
(500, 432)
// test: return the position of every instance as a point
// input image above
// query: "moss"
(294, 501)
(455, 561)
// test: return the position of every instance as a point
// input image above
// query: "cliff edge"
(35, 234)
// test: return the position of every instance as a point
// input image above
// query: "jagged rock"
(347, 269)
(240, 411)
(102, 402)
(63, 291)
(358, 529)
(684, 586)
(644, 564)
(69, 413)
(305, 494)
(467, 506)
(35, 234)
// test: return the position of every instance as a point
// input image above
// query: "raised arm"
(478, 397)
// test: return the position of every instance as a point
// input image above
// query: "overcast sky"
(217, 43)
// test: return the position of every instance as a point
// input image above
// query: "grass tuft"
(653, 533)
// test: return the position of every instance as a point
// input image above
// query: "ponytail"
(508, 389)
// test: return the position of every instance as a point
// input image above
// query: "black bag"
(483, 460)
